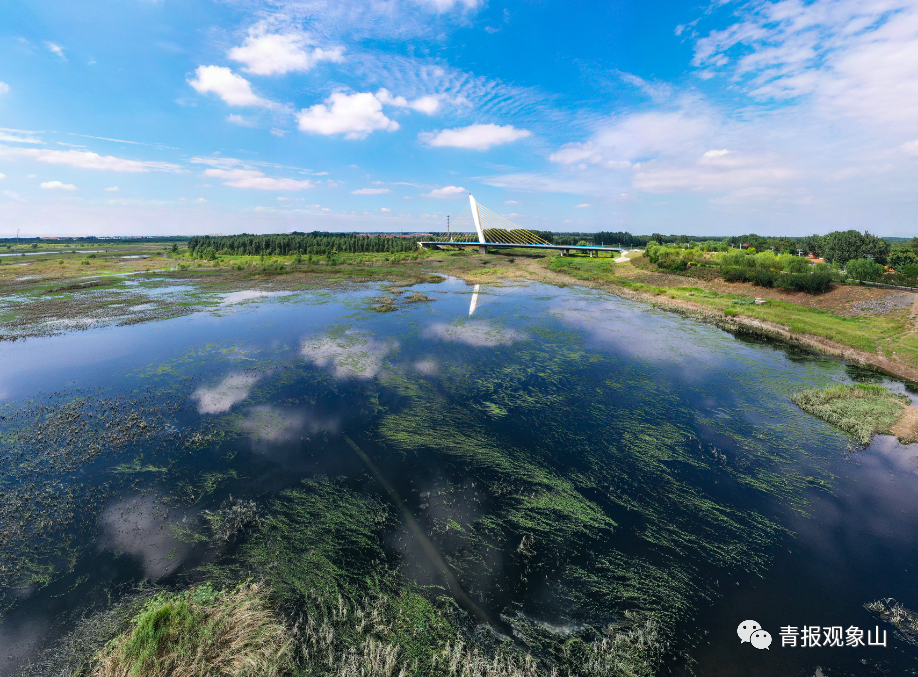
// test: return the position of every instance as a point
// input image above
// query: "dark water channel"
(571, 455)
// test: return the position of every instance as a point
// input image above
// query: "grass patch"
(862, 410)
(201, 632)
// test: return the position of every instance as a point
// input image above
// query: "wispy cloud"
(371, 191)
(56, 49)
(87, 160)
(250, 178)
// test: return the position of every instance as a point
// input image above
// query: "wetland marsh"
(562, 479)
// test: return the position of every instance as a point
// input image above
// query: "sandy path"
(907, 426)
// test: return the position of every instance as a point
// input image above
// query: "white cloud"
(573, 153)
(234, 89)
(241, 121)
(86, 160)
(14, 196)
(281, 133)
(56, 185)
(56, 49)
(911, 147)
(425, 104)
(385, 210)
(475, 137)
(232, 390)
(745, 195)
(275, 53)
(582, 206)
(354, 115)
(250, 178)
(2, 176)
(112, 189)
(448, 192)
(511, 202)
(199, 201)
(849, 58)
(18, 135)
(4, 88)
(714, 170)
(449, 5)
(658, 91)
(370, 191)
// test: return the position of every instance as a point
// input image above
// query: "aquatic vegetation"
(384, 304)
(903, 619)
(418, 297)
(198, 633)
(585, 483)
(862, 410)
(234, 518)
(574, 498)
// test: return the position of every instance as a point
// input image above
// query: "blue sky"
(163, 117)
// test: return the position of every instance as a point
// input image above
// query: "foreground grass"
(201, 632)
(862, 410)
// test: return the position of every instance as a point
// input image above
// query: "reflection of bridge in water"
(496, 232)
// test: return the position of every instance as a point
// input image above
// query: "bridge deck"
(521, 245)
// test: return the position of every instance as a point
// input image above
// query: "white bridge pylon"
(476, 217)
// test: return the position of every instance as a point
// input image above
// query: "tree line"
(316, 243)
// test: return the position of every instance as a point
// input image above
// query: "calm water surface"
(654, 462)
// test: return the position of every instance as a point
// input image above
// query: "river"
(569, 454)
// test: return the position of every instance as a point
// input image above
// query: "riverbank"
(885, 340)
(43, 296)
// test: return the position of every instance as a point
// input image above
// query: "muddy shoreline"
(739, 323)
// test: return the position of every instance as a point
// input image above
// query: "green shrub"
(673, 264)
(864, 269)
(796, 264)
(813, 283)
(735, 257)
(762, 277)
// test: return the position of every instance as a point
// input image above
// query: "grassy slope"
(887, 335)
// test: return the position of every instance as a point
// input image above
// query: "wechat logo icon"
(751, 631)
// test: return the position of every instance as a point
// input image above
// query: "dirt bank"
(536, 270)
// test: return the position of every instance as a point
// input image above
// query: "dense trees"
(864, 269)
(842, 246)
(316, 243)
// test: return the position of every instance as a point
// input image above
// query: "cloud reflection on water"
(354, 354)
(140, 526)
(477, 333)
(232, 390)
(271, 424)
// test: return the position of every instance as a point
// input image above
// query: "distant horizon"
(369, 115)
(713, 238)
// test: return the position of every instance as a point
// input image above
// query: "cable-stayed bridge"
(478, 226)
